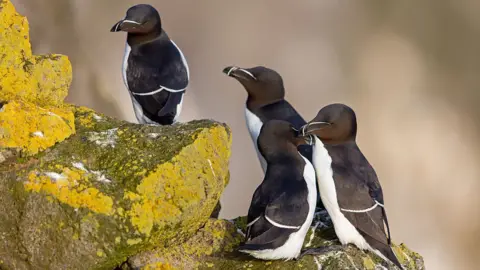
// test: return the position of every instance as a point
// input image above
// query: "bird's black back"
(154, 64)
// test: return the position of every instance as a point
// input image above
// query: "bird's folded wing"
(167, 72)
(289, 210)
(363, 211)
(173, 74)
(374, 189)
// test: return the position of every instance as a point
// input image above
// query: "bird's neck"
(254, 103)
(134, 39)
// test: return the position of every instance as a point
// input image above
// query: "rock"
(43, 80)
(110, 191)
(30, 86)
(213, 247)
(31, 128)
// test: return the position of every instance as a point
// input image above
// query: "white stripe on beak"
(247, 72)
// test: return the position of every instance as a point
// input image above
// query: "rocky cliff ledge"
(79, 190)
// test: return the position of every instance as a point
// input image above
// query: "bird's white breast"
(254, 124)
(128, 49)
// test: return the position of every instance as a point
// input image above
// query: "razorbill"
(349, 187)
(266, 101)
(283, 206)
(155, 71)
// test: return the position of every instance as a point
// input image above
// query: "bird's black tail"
(384, 249)
(388, 252)
(271, 239)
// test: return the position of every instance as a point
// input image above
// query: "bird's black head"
(264, 85)
(140, 19)
(278, 137)
(335, 123)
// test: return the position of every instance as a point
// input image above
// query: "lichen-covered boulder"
(43, 79)
(213, 247)
(110, 191)
(32, 89)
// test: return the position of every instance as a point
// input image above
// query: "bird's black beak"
(311, 129)
(239, 73)
(126, 26)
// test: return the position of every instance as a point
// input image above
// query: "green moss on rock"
(112, 190)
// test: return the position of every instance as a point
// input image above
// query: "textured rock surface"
(213, 247)
(32, 89)
(80, 190)
(44, 79)
(110, 191)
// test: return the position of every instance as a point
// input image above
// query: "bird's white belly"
(344, 230)
(128, 49)
(293, 246)
(141, 117)
(137, 108)
(254, 125)
(179, 110)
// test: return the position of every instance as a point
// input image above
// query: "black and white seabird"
(283, 206)
(155, 71)
(266, 101)
(349, 187)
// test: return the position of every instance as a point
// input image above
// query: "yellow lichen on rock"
(52, 75)
(159, 266)
(32, 88)
(31, 128)
(14, 49)
(43, 80)
(172, 188)
(71, 187)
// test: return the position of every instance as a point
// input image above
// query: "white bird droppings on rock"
(79, 166)
(153, 135)
(58, 178)
(104, 138)
(55, 176)
(100, 176)
(313, 234)
(38, 134)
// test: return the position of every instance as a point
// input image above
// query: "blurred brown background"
(410, 69)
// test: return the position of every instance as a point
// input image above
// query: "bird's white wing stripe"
(281, 225)
(363, 210)
(157, 91)
(251, 223)
(184, 60)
